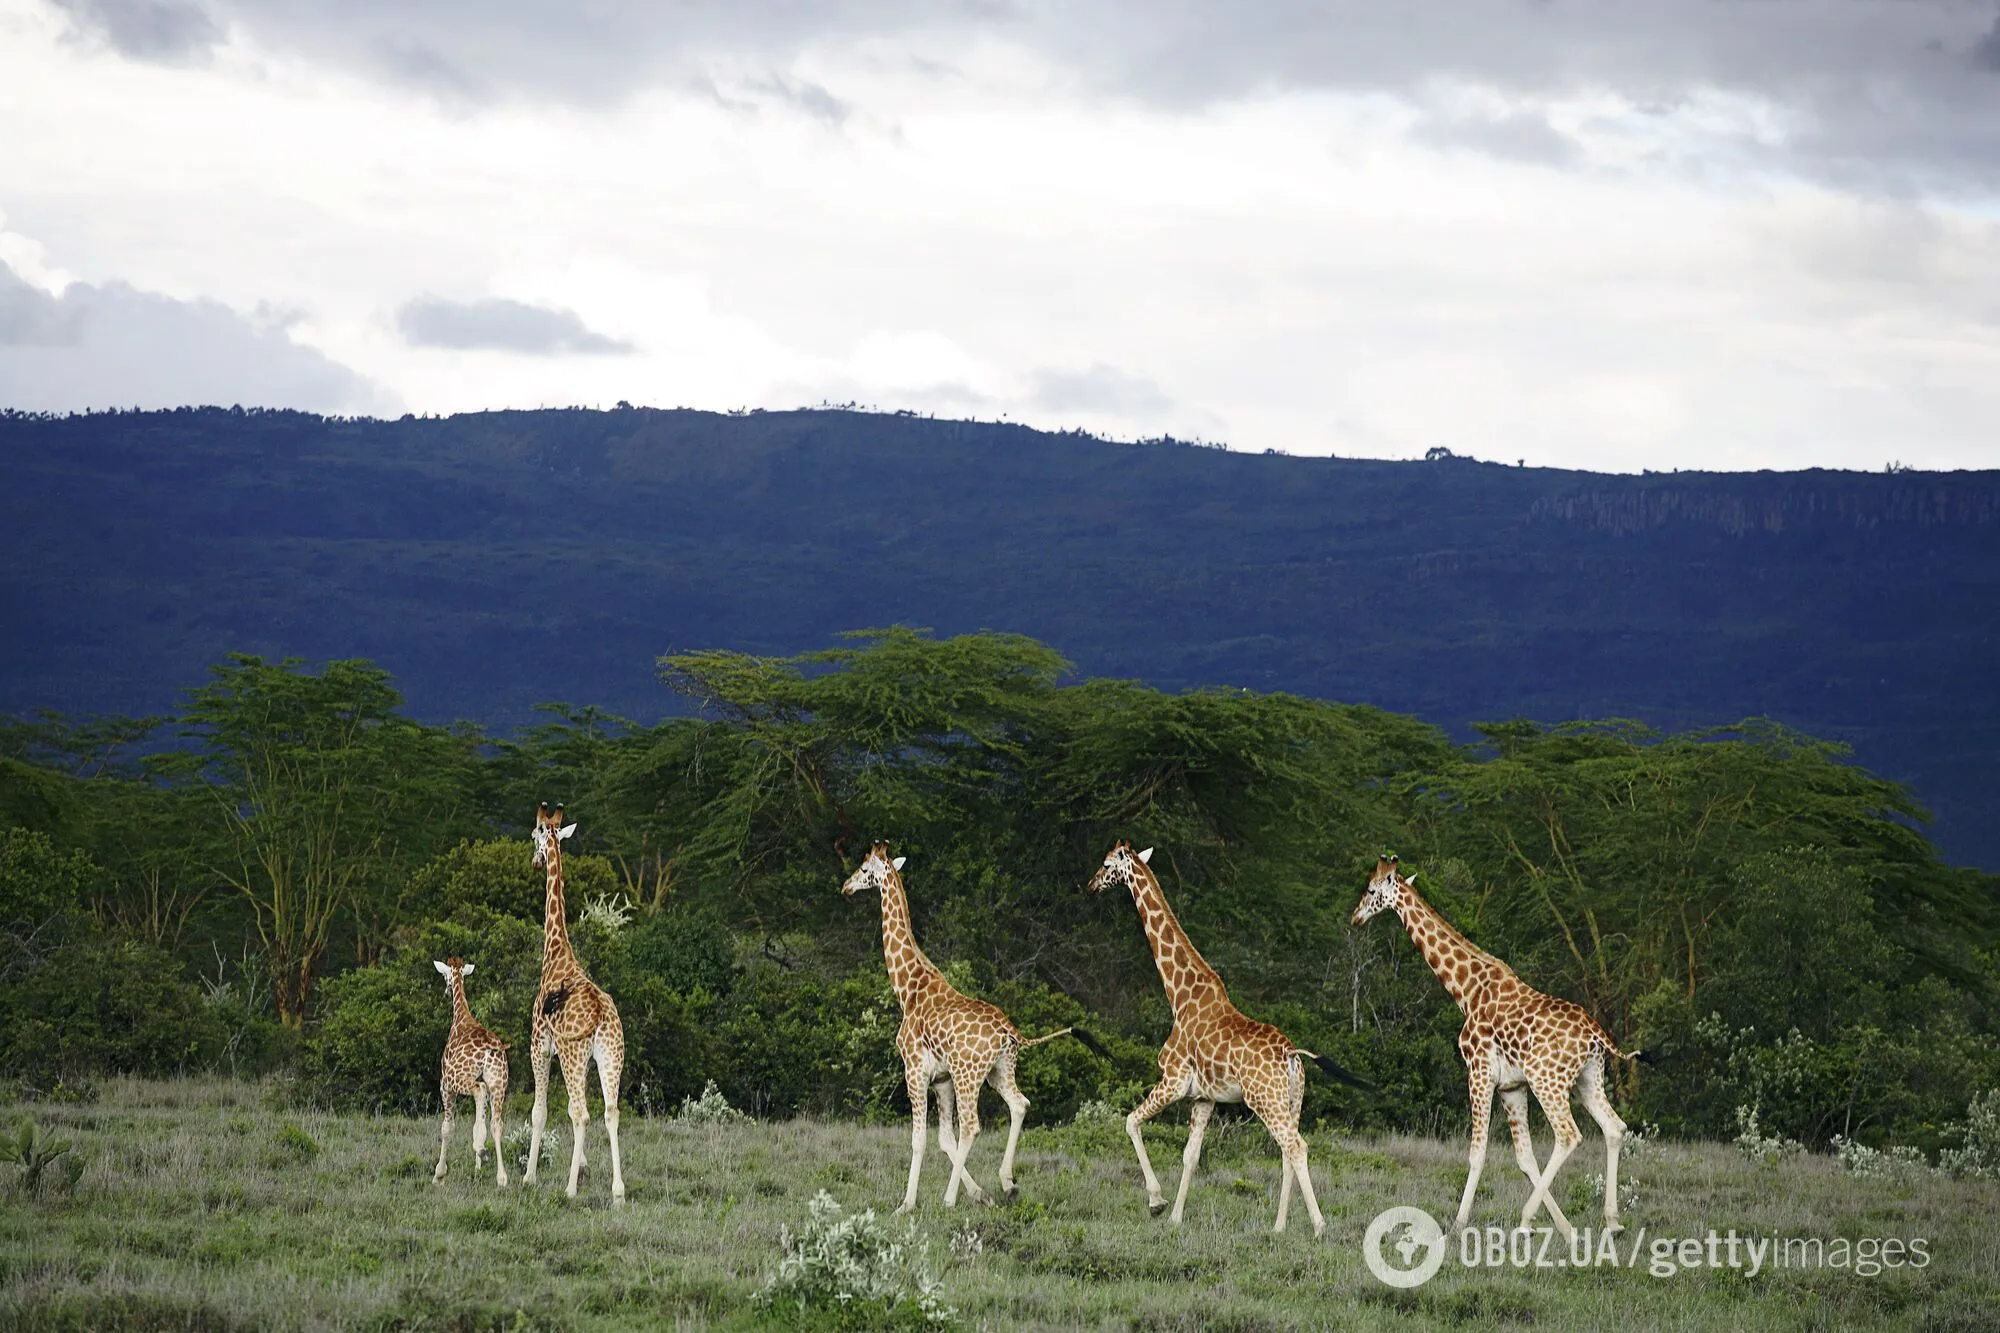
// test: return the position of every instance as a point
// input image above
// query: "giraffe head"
(874, 870)
(1386, 889)
(452, 969)
(1121, 866)
(549, 830)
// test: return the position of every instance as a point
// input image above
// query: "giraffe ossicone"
(573, 1020)
(474, 1065)
(1515, 1040)
(949, 1042)
(1214, 1053)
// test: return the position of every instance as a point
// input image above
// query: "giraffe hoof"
(1010, 1192)
(1155, 1209)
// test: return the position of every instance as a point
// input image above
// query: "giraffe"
(573, 1019)
(1214, 1053)
(949, 1041)
(475, 1065)
(1515, 1039)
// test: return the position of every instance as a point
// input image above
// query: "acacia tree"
(322, 790)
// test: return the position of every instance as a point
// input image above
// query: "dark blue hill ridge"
(495, 560)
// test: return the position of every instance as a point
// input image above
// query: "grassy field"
(205, 1206)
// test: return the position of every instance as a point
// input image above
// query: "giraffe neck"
(461, 1012)
(1459, 964)
(555, 926)
(910, 971)
(1183, 971)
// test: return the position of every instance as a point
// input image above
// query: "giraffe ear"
(465, 971)
(443, 971)
(1145, 856)
(567, 830)
(898, 862)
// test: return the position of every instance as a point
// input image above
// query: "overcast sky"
(1593, 233)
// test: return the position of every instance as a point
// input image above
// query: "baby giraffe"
(475, 1065)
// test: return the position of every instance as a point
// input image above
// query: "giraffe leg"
(610, 1055)
(1002, 1079)
(1300, 1166)
(947, 1113)
(913, 1082)
(1516, 1100)
(496, 1098)
(1167, 1090)
(1554, 1098)
(1479, 1089)
(1281, 1118)
(541, 1046)
(1285, 1178)
(444, 1137)
(1591, 1086)
(576, 1082)
(1191, 1155)
(967, 1082)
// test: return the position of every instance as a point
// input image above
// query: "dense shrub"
(97, 1004)
(380, 1034)
(499, 875)
(38, 879)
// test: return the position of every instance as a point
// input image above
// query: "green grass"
(203, 1207)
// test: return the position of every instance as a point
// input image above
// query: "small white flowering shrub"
(1763, 1149)
(711, 1108)
(1978, 1157)
(853, 1270)
(609, 912)
(1900, 1163)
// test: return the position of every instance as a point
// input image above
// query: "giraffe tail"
(1611, 1047)
(1347, 1076)
(1090, 1043)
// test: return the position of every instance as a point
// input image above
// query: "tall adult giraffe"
(948, 1040)
(1215, 1053)
(1515, 1038)
(573, 1019)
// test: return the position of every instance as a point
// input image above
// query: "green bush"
(499, 875)
(38, 881)
(691, 953)
(96, 1004)
(379, 1038)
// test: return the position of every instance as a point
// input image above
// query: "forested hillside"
(495, 561)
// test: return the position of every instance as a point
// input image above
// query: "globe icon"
(1403, 1247)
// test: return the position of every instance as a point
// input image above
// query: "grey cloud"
(145, 29)
(1523, 136)
(31, 317)
(116, 346)
(1099, 388)
(496, 325)
(1986, 51)
(808, 98)
(1888, 92)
